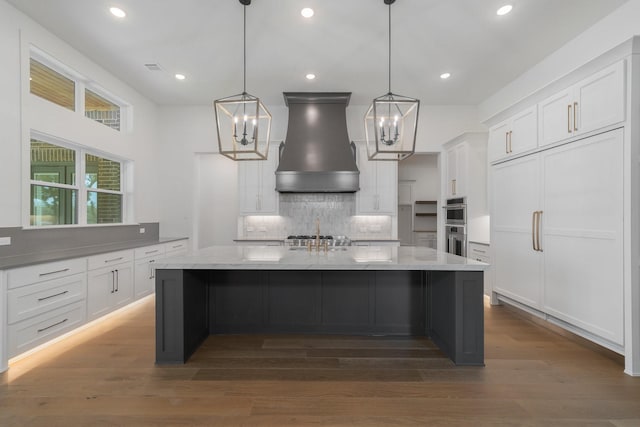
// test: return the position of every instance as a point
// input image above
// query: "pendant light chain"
(244, 50)
(389, 47)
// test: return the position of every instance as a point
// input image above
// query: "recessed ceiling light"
(504, 10)
(310, 76)
(180, 76)
(445, 76)
(116, 11)
(307, 12)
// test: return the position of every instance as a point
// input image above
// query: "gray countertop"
(30, 259)
(241, 257)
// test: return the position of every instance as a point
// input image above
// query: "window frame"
(80, 186)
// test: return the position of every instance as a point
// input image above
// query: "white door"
(405, 227)
(600, 99)
(556, 117)
(101, 285)
(499, 141)
(124, 285)
(516, 196)
(582, 234)
(144, 283)
(524, 131)
(387, 187)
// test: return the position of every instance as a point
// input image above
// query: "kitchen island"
(370, 290)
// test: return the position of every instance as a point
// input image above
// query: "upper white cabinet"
(514, 136)
(591, 104)
(457, 170)
(378, 193)
(257, 185)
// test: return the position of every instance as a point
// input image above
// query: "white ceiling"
(344, 44)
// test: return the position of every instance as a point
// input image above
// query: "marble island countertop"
(240, 257)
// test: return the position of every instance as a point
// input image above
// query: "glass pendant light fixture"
(391, 122)
(243, 122)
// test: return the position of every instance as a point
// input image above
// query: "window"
(104, 196)
(60, 84)
(101, 110)
(57, 196)
(52, 86)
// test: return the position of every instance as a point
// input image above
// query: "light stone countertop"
(241, 257)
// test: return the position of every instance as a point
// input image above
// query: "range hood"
(317, 156)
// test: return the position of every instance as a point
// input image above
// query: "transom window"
(58, 198)
(57, 83)
(52, 85)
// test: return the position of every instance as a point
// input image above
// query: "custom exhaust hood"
(317, 156)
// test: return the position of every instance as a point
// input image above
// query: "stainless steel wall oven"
(455, 226)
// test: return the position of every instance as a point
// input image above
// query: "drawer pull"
(53, 296)
(479, 251)
(176, 246)
(54, 272)
(150, 252)
(114, 259)
(51, 326)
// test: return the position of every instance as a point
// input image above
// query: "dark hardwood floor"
(105, 375)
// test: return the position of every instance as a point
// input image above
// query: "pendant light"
(391, 122)
(242, 121)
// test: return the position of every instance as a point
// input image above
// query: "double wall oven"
(456, 225)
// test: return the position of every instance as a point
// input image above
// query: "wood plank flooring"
(106, 376)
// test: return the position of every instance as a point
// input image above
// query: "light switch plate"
(4, 241)
(142, 230)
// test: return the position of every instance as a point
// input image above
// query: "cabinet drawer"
(52, 270)
(149, 251)
(33, 300)
(35, 331)
(479, 253)
(109, 259)
(174, 248)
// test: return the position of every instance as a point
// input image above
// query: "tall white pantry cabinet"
(565, 208)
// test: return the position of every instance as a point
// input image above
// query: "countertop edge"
(26, 260)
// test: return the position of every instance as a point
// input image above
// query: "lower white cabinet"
(38, 330)
(481, 252)
(557, 224)
(144, 283)
(4, 356)
(178, 247)
(109, 287)
(43, 301)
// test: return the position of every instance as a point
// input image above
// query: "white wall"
(22, 112)
(620, 25)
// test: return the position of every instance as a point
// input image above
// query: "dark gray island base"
(446, 306)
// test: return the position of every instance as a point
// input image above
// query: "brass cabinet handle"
(510, 141)
(569, 118)
(575, 112)
(533, 230)
(506, 142)
(538, 232)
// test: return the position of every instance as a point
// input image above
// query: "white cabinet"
(110, 282)
(514, 136)
(557, 236)
(378, 193)
(4, 361)
(257, 185)
(178, 247)
(591, 104)
(457, 169)
(144, 273)
(516, 196)
(43, 301)
(481, 252)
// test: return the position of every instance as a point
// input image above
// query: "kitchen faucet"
(316, 242)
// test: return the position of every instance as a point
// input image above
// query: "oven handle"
(464, 205)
